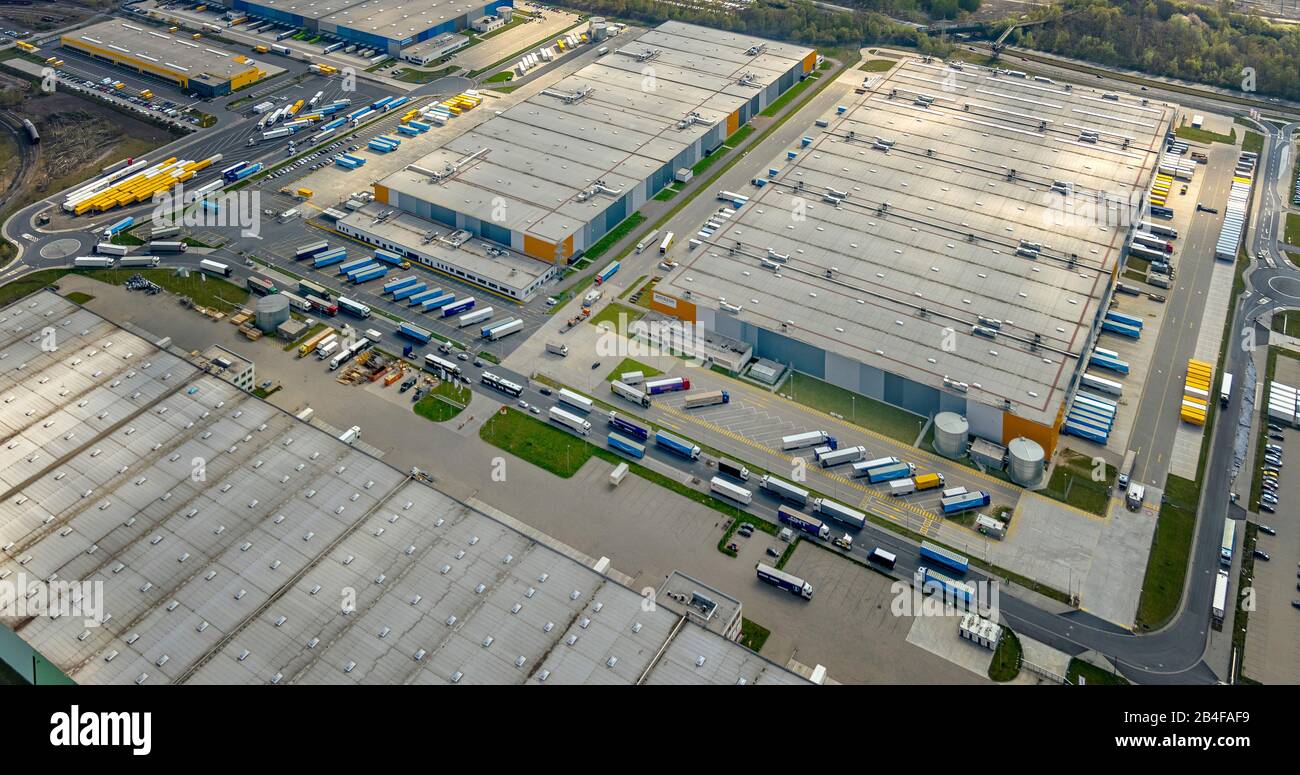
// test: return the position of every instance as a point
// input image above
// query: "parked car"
(1260, 554)
(1267, 529)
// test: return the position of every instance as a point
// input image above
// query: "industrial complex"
(946, 242)
(552, 174)
(193, 65)
(384, 25)
(224, 529)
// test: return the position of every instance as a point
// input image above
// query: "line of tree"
(1208, 44)
(789, 20)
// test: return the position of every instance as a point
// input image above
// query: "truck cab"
(1136, 494)
(844, 542)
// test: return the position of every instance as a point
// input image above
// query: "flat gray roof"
(544, 155)
(198, 59)
(237, 576)
(307, 9)
(400, 19)
(925, 238)
(507, 269)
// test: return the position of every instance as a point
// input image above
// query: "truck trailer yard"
(853, 415)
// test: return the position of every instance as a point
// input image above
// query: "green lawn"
(791, 94)
(1252, 142)
(1203, 136)
(501, 77)
(753, 635)
(611, 315)
(1287, 322)
(1093, 675)
(1072, 482)
(77, 297)
(411, 75)
(628, 364)
(1292, 230)
(860, 410)
(1006, 660)
(667, 193)
(443, 402)
(877, 65)
(203, 289)
(615, 234)
(730, 143)
(1167, 567)
(540, 443)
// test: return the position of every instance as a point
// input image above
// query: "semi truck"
(720, 486)
(964, 502)
(348, 353)
(887, 473)
(168, 246)
(94, 262)
(569, 420)
(625, 390)
(938, 555)
(151, 261)
(732, 468)
(667, 385)
(837, 457)
(783, 580)
(677, 446)
(109, 249)
(709, 398)
(930, 580)
(839, 512)
(627, 427)
(800, 521)
(1228, 543)
(809, 439)
(504, 329)
(477, 316)
(784, 490)
(1220, 608)
(625, 445)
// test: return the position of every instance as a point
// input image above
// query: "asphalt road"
(1172, 655)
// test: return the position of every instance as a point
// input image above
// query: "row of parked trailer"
(1234, 215)
(1091, 417)
(430, 298)
(1196, 392)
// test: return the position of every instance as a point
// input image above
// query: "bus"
(354, 308)
(322, 306)
(1229, 539)
(667, 243)
(214, 267)
(579, 402)
(434, 363)
(942, 556)
(504, 385)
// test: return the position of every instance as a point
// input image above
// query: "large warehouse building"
(194, 65)
(220, 537)
(946, 241)
(551, 175)
(385, 25)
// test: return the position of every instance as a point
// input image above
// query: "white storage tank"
(950, 433)
(1025, 458)
(270, 312)
(598, 30)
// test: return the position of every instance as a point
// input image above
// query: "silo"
(1026, 461)
(506, 13)
(950, 433)
(598, 30)
(270, 312)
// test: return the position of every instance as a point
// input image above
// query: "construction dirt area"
(78, 138)
(38, 17)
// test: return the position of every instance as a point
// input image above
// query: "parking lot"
(1275, 622)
